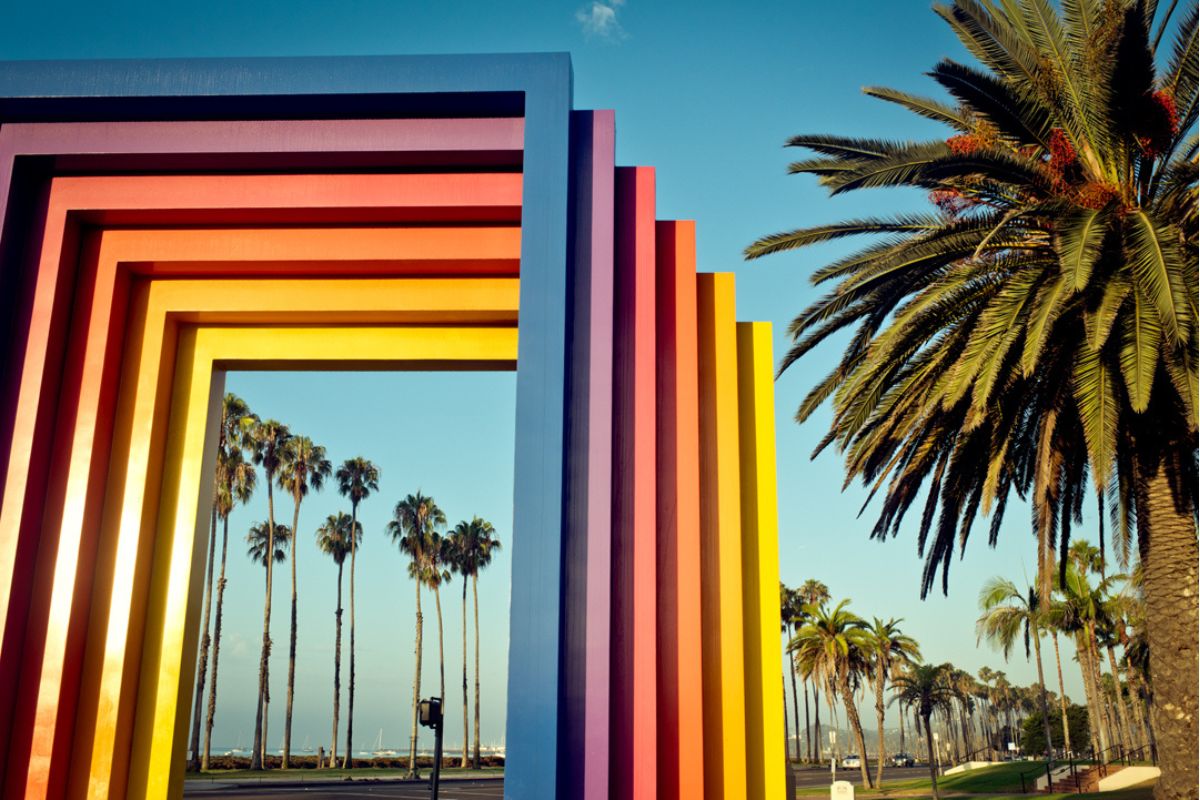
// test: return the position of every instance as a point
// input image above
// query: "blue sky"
(705, 92)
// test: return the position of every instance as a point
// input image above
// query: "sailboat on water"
(240, 750)
(380, 751)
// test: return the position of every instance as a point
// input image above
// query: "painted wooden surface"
(587, 552)
(633, 748)
(766, 760)
(720, 542)
(680, 676)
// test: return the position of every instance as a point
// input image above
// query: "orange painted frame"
(194, 243)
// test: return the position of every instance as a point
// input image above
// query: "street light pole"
(431, 716)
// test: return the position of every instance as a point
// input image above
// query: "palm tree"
(1038, 326)
(811, 593)
(1008, 613)
(357, 478)
(476, 543)
(1055, 622)
(267, 440)
(413, 528)
(834, 645)
(235, 415)
(261, 540)
(925, 687)
(888, 649)
(789, 608)
(334, 540)
(302, 466)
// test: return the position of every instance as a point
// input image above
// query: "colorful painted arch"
(645, 606)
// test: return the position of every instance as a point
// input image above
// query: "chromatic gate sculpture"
(374, 213)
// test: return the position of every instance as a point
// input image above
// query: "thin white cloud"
(600, 19)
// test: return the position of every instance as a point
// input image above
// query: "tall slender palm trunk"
(348, 760)
(808, 731)
(1122, 709)
(216, 648)
(816, 743)
(1037, 653)
(1108, 716)
(337, 668)
(1062, 695)
(291, 680)
(902, 750)
(1094, 701)
(256, 758)
(465, 761)
(787, 734)
(416, 698)
(882, 755)
(475, 597)
(1169, 550)
(856, 726)
(932, 757)
(796, 705)
(202, 667)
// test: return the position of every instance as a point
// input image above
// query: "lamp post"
(937, 751)
(431, 716)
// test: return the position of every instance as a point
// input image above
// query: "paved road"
(378, 790)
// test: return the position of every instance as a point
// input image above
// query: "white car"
(851, 762)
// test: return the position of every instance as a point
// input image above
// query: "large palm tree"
(267, 440)
(357, 479)
(414, 528)
(476, 543)
(834, 646)
(1037, 327)
(303, 466)
(1009, 613)
(1055, 622)
(334, 539)
(235, 417)
(262, 539)
(888, 650)
(926, 688)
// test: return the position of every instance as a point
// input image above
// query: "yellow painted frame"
(158, 308)
(767, 760)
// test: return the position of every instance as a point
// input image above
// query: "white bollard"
(841, 790)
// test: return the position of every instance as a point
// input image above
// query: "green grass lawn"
(999, 782)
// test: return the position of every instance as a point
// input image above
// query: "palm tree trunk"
(1169, 551)
(1037, 652)
(1137, 708)
(932, 757)
(1062, 695)
(416, 698)
(256, 758)
(1095, 709)
(475, 597)
(787, 737)
(465, 761)
(348, 761)
(902, 750)
(1108, 715)
(1122, 709)
(808, 731)
(856, 726)
(291, 681)
(202, 668)
(216, 651)
(337, 667)
(816, 744)
(879, 686)
(796, 705)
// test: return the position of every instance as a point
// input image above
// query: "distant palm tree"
(475, 543)
(1056, 614)
(334, 540)
(1008, 613)
(834, 646)
(267, 441)
(413, 528)
(888, 650)
(926, 688)
(303, 466)
(787, 619)
(811, 593)
(239, 480)
(235, 419)
(357, 478)
(1035, 330)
